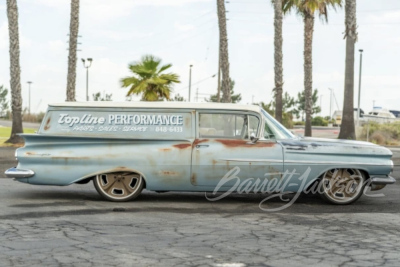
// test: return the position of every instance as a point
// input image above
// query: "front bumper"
(18, 173)
(382, 180)
(378, 183)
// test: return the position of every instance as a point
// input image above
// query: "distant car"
(164, 146)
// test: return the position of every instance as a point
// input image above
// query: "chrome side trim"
(18, 173)
(254, 160)
(334, 162)
(382, 180)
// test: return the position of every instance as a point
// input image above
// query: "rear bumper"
(18, 173)
(382, 180)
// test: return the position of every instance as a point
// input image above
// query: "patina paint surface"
(165, 148)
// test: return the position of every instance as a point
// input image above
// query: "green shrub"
(319, 121)
(302, 123)
(287, 120)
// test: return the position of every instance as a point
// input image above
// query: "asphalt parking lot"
(56, 226)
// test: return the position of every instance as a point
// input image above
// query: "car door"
(222, 148)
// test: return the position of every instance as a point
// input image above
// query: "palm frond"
(148, 81)
(150, 96)
(151, 63)
(157, 81)
(127, 81)
(170, 77)
(164, 68)
(138, 88)
(309, 7)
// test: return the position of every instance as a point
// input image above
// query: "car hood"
(333, 146)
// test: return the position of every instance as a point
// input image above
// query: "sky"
(185, 32)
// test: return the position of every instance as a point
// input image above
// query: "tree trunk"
(223, 42)
(278, 59)
(15, 73)
(73, 42)
(308, 38)
(347, 129)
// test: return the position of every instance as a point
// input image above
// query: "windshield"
(273, 129)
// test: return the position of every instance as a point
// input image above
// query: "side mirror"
(253, 138)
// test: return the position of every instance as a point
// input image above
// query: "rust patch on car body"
(29, 153)
(169, 173)
(193, 179)
(47, 125)
(182, 146)
(243, 143)
(199, 141)
(165, 149)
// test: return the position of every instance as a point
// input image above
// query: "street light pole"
(359, 89)
(330, 104)
(89, 60)
(29, 82)
(190, 81)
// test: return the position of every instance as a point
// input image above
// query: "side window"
(235, 126)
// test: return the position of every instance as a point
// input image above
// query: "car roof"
(158, 104)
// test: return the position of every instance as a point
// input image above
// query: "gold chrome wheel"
(342, 186)
(119, 186)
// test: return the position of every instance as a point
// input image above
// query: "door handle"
(200, 146)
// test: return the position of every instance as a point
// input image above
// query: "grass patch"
(5, 133)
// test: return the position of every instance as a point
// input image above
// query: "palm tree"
(347, 130)
(149, 81)
(234, 98)
(307, 9)
(278, 58)
(15, 73)
(223, 50)
(73, 42)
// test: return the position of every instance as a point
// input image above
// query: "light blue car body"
(76, 142)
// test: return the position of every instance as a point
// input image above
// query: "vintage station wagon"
(170, 146)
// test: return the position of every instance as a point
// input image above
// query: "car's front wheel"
(342, 186)
(119, 186)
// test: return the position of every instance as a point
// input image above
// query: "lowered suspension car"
(208, 147)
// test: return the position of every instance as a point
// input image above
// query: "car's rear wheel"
(342, 186)
(119, 186)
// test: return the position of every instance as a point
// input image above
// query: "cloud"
(4, 36)
(259, 39)
(183, 27)
(102, 10)
(121, 36)
(386, 17)
(56, 46)
(121, 3)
